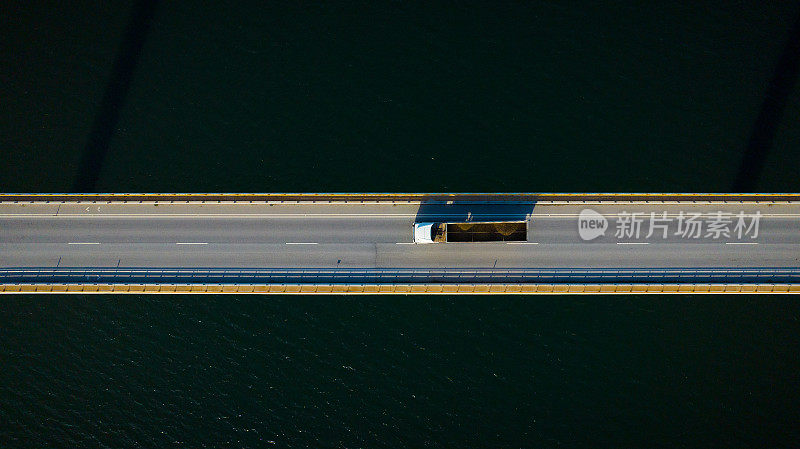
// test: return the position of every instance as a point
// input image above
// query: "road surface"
(359, 237)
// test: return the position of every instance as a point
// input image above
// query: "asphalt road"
(379, 236)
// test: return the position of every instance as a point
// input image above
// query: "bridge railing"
(404, 289)
(110, 275)
(390, 197)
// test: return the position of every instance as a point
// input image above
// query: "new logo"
(591, 224)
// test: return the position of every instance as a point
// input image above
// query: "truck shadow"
(465, 211)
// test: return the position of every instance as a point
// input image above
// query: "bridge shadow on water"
(465, 211)
(116, 91)
(769, 118)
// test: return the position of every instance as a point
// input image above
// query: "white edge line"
(83, 243)
(522, 243)
(191, 243)
(534, 216)
(302, 243)
(741, 243)
(633, 243)
(404, 243)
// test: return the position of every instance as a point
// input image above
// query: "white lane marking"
(522, 243)
(643, 214)
(633, 243)
(404, 243)
(83, 243)
(302, 243)
(219, 215)
(741, 243)
(191, 243)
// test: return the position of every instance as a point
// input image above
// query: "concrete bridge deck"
(322, 241)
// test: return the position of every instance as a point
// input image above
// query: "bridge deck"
(378, 236)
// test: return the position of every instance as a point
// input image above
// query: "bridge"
(363, 243)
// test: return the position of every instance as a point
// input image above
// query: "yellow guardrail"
(352, 197)
(404, 289)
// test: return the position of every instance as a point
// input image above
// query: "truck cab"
(423, 232)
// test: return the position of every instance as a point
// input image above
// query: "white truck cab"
(423, 232)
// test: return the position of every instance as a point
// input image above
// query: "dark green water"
(543, 96)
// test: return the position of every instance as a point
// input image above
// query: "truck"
(486, 231)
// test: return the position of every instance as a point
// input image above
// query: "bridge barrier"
(397, 276)
(393, 197)
(404, 289)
